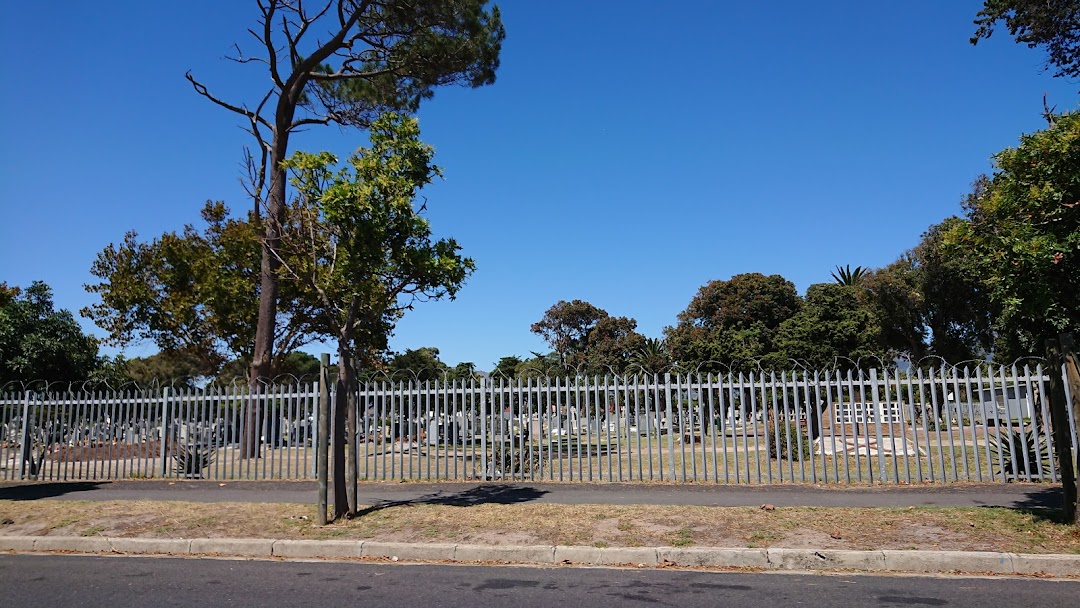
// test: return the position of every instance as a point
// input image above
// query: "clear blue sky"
(628, 153)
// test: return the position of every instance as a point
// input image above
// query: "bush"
(191, 460)
(790, 434)
(1027, 449)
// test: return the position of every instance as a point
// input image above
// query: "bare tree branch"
(201, 90)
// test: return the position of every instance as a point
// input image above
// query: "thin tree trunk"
(263, 355)
(339, 434)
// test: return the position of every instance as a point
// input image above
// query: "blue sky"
(628, 153)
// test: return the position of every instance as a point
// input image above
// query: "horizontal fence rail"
(881, 426)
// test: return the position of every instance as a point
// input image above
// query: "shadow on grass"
(1043, 504)
(35, 491)
(498, 494)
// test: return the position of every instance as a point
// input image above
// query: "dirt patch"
(966, 529)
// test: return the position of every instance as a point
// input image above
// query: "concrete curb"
(714, 557)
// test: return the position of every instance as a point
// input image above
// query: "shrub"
(192, 459)
(789, 434)
(1021, 453)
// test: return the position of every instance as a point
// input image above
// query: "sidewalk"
(1011, 496)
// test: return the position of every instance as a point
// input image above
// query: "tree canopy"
(344, 62)
(833, 329)
(357, 246)
(1022, 232)
(194, 295)
(587, 339)
(1053, 25)
(38, 342)
(732, 323)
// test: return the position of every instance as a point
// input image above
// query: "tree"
(932, 302)
(588, 339)
(1051, 24)
(1022, 233)
(38, 342)
(833, 325)
(849, 276)
(418, 364)
(957, 311)
(897, 295)
(732, 322)
(355, 241)
(345, 62)
(652, 357)
(540, 364)
(191, 295)
(177, 368)
(507, 367)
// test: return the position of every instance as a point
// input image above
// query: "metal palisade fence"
(162, 433)
(879, 426)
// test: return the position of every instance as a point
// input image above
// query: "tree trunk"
(340, 433)
(262, 359)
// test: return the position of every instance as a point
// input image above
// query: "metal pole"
(350, 426)
(27, 445)
(322, 441)
(164, 430)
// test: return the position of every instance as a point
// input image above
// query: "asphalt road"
(303, 492)
(33, 580)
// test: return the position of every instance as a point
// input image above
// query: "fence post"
(350, 429)
(27, 451)
(1072, 382)
(322, 440)
(484, 460)
(878, 414)
(1059, 418)
(164, 430)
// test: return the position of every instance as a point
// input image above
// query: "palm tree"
(653, 357)
(849, 276)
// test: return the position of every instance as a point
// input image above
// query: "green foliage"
(1022, 232)
(588, 339)
(652, 357)
(1018, 446)
(539, 365)
(38, 342)
(192, 459)
(166, 367)
(447, 42)
(732, 322)
(345, 63)
(848, 276)
(507, 367)
(192, 294)
(932, 302)
(358, 247)
(421, 364)
(833, 325)
(789, 440)
(508, 461)
(297, 364)
(1051, 24)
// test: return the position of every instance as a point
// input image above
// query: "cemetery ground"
(483, 519)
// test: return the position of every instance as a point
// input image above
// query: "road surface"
(50, 581)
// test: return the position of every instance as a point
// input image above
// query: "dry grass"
(972, 529)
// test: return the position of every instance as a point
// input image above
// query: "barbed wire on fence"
(417, 377)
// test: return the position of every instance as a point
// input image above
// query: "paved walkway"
(303, 492)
